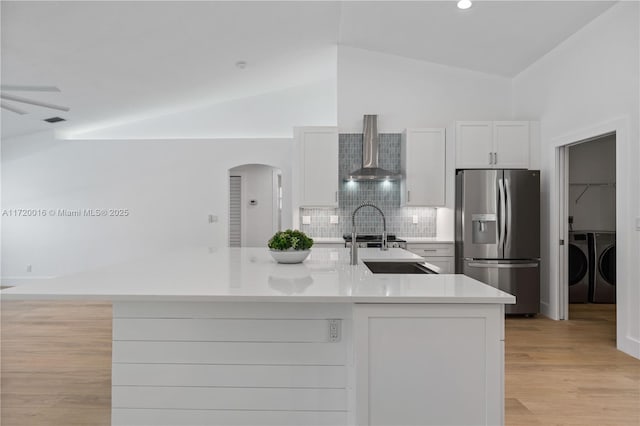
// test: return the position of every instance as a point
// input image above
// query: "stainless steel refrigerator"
(498, 232)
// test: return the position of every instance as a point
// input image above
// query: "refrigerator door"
(480, 206)
(522, 219)
(519, 278)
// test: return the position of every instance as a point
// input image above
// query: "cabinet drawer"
(444, 263)
(431, 250)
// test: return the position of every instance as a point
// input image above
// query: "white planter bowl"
(289, 256)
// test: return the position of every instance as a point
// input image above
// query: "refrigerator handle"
(501, 215)
(507, 230)
(503, 265)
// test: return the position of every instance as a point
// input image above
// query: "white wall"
(169, 187)
(267, 115)
(409, 93)
(593, 162)
(587, 84)
(257, 220)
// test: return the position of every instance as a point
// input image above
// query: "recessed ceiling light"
(241, 64)
(464, 4)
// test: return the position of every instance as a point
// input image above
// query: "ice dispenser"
(484, 228)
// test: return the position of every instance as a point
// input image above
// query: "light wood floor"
(56, 368)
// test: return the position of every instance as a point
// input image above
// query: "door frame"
(558, 258)
(562, 167)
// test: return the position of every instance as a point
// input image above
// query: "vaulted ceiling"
(140, 59)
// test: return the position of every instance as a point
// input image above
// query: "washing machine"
(604, 282)
(580, 270)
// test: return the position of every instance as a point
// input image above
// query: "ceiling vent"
(54, 119)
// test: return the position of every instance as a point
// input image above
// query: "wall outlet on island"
(415, 219)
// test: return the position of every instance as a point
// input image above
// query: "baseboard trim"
(630, 346)
(16, 281)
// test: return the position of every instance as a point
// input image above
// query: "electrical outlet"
(334, 219)
(213, 218)
(415, 219)
(29, 268)
(306, 220)
(637, 223)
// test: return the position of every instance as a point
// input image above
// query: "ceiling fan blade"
(8, 107)
(29, 88)
(32, 102)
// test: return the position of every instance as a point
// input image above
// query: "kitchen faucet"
(354, 244)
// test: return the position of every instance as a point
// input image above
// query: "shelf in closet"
(589, 185)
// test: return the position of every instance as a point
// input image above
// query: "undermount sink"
(398, 268)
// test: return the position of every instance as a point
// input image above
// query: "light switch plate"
(306, 220)
(415, 219)
(334, 219)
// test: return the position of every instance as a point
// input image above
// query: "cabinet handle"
(495, 158)
(408, 196)
(336, 193)
(491, 158)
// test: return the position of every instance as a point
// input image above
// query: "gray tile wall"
(385, 195)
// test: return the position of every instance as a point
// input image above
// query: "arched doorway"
(255, 204)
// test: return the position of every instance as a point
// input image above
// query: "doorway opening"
(588, 222)
(255, 204)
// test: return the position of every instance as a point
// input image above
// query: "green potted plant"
(290, 246)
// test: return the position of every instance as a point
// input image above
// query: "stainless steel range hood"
(370, 170)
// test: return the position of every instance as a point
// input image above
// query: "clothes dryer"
(580, 271)
(604, 283)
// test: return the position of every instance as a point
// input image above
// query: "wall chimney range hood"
(370, 170)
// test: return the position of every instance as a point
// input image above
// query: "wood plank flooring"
(56, 367)
(56, 363)
(570, 372)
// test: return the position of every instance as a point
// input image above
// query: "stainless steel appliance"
(370, 170)
(604, 280)
(580, 266)
(374, 240)
(498, 232)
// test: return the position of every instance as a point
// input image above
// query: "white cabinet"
(317, 174)
(323, 244)
(423, 168)
(439, 254)
(492, 144)
(429, 364)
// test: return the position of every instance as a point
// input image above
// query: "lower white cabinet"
(441, 255)
(429, 364)
(334, 364)
(328, 245)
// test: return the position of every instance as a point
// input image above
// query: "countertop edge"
(264, 299)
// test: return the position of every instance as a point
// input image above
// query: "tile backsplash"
(385, 195)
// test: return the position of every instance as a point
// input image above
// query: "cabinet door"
(318, 174)
(429, 364)
(423, 159)
(474, 144)
(444, 263)
(511, 144)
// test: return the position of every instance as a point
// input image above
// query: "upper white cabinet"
(492, 144)
(423, 167)
(317, 175)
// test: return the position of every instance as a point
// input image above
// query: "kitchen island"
(229, 337)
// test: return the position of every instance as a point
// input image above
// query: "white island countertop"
(251, 275)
